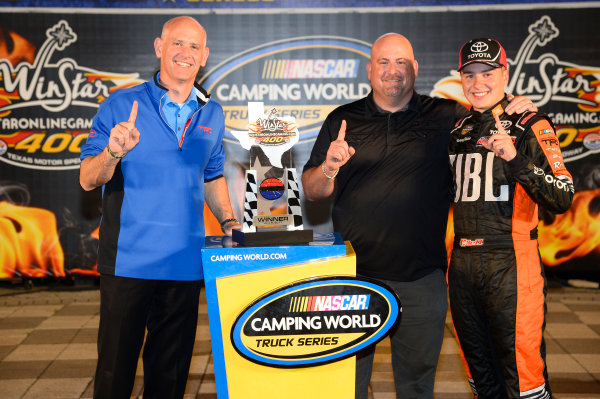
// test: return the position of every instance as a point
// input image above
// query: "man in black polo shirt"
(386, 159)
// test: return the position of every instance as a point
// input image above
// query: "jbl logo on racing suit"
(470, 171)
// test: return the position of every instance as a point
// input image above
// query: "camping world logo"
(315, 322)
(303, 77)
(38, 129)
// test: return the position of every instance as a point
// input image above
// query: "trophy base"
(278, 237)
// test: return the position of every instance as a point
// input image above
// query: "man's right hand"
(339, 152)
(501, 143)
(124, 136)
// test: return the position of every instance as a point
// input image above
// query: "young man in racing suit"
(503, 166)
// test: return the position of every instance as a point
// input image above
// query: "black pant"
(416, 342)
(169, 310)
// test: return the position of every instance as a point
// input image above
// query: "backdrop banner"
(56, 68)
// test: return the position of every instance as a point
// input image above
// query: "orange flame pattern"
(29, 244)
(257, 128)
(22, 51)
(574, 234)
(290, 127)
(254, 128)
(6, 98)
(590, 96)
(451, 87)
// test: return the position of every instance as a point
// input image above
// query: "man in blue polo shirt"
(156, 150)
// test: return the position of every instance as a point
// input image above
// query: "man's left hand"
(519, 104)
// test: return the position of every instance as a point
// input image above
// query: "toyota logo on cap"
(487, 51)
(479, 47)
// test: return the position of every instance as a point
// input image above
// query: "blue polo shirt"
(152, 223)
(176, 114)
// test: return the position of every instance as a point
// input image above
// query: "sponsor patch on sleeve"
(551, 147)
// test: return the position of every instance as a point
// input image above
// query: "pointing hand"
(124, 136)
(501, 143)
(339, 152)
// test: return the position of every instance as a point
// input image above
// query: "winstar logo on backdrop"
(315, 322)
(38, 131)
(304, 77)
(569, 93)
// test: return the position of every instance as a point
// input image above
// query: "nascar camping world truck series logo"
(567, 92)
(304, 77)
(41, 102)
(315, 322)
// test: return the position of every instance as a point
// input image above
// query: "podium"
(286, 321)
(235, 278)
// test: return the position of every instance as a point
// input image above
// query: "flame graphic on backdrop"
(450, 87)
(574, 234)
(571, 235)
(22, 51)
(590, 96)
(30, 246)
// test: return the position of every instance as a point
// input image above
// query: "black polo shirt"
(392, 197)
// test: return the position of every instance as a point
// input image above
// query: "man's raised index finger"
(499, 124)
(342, 132)
(133, 114)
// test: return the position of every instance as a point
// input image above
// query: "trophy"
(272, 213)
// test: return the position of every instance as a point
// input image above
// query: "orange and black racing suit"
(496, 280)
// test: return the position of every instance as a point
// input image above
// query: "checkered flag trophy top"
(272, 207)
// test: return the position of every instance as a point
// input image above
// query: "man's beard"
(399, 87)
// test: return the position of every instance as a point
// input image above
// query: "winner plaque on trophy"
(272, 213)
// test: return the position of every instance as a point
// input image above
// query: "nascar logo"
(308, 68)
(315, 322)
(329, 303)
